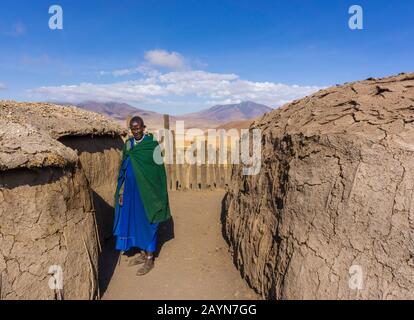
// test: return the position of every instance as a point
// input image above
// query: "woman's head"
(137, 127)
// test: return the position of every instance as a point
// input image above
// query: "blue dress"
(133, 228)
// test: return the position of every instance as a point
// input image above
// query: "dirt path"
(195, 264)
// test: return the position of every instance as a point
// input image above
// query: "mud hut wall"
(100, 159)
(319, 208)
(46, 220)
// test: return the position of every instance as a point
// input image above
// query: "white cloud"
(3, 86)
(162, 58)
(125, 72)
(155, 59)
(174, 89)
(143, 69)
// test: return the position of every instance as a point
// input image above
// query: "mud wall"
(47, 219)
(331, 213)
(319, 207)
(99, 158)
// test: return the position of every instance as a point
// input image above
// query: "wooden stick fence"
(203, 175)
(199, 176)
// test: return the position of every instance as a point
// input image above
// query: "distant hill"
(121, 111)
(208, 118)
(230, 112)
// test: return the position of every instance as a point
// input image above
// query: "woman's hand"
(121, 199)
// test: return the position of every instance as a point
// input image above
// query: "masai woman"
(141, 197)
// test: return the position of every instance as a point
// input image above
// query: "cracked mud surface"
(335, 190)
(58, 167)
(46, 224)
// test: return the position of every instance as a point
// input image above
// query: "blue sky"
(181, 56)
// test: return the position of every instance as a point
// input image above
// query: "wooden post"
(217, 169)
(222, 159)
(228, 168)
(203, 165)
(193, 173)
(180, 167)
(166, 121)
(187, 176)
(211, 169)
(167, 155)
(186, 182)
(179, 157)
(173, 164)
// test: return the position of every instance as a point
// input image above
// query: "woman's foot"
(147, 267)
(139, 258)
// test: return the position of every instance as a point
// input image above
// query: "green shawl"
(150, 177)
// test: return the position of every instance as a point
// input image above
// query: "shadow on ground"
(108, 260)
(109, 257)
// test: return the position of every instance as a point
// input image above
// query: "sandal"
(147, 267)
(137, 259)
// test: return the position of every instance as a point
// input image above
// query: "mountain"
(121, 111)
(230, 112)
(208, 118)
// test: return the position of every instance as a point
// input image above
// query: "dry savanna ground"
(195, 264)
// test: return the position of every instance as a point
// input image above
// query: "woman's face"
(137, 130)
